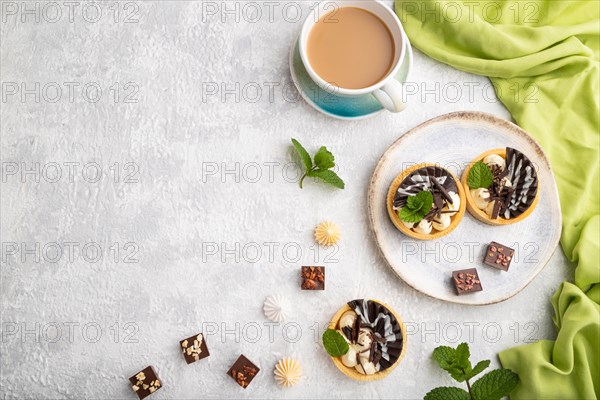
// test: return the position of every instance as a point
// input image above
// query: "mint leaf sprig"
(321, 168)
(492, 386)
(334, 343)
(416, 208)
(480, 176)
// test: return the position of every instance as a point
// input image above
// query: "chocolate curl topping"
(496, 209)
(348, 332)
(523, 176)
(356, 330)
(387, 349)
(513, 201)
(385, 364)
(420, 180)
(377, 358)
(438, 201)
(441, 189)
(372, 350)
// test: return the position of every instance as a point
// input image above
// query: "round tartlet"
(406, 230)
(481, 214)
(351, 372)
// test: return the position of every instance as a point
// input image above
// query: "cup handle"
(391, 96)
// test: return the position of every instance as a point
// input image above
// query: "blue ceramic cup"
(389, 90)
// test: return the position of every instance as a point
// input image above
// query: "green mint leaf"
(463, 365)
(481, 365)
(304, 156)
(444, 355)
(324, 159)
(426, 198)
(410, 216)
(458, 374)
(414, 202)
(329, 177)
(495, 384)
(454, 361)
(480, 176)
(416, 207)
(334, 343)
(447, 393)
(462, 356)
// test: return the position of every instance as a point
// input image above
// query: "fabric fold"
(543, 60)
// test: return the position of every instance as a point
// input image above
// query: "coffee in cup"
(351, 48)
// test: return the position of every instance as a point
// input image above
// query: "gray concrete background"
(154, 209)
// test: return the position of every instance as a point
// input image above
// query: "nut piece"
(145, 382)
(194, 348)
(466, 281)
(243, 371)
(498, 256)
(313, 278)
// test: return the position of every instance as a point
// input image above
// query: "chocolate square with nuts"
(145, 382)
(194, 348)
(243, 371)
(498, 256)
(466, 281)
(313, 278)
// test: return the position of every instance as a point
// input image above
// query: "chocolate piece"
(194, 348)
(145, 382)
(313, 278)
(466, 281)
(421, 180)
(498, 256)
(387, 334)
(243, 371)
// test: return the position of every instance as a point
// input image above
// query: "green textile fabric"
(542, 57)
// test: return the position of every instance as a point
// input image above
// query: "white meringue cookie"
(455, 205)
(275, 308)
(480, 197)
(441, 222)
(424, 227)
(495, 159)
(349, 359)
(347, 319)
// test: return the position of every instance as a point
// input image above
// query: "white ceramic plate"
(452, 141)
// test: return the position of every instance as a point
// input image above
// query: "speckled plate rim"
(409, 58)
(464, 116)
